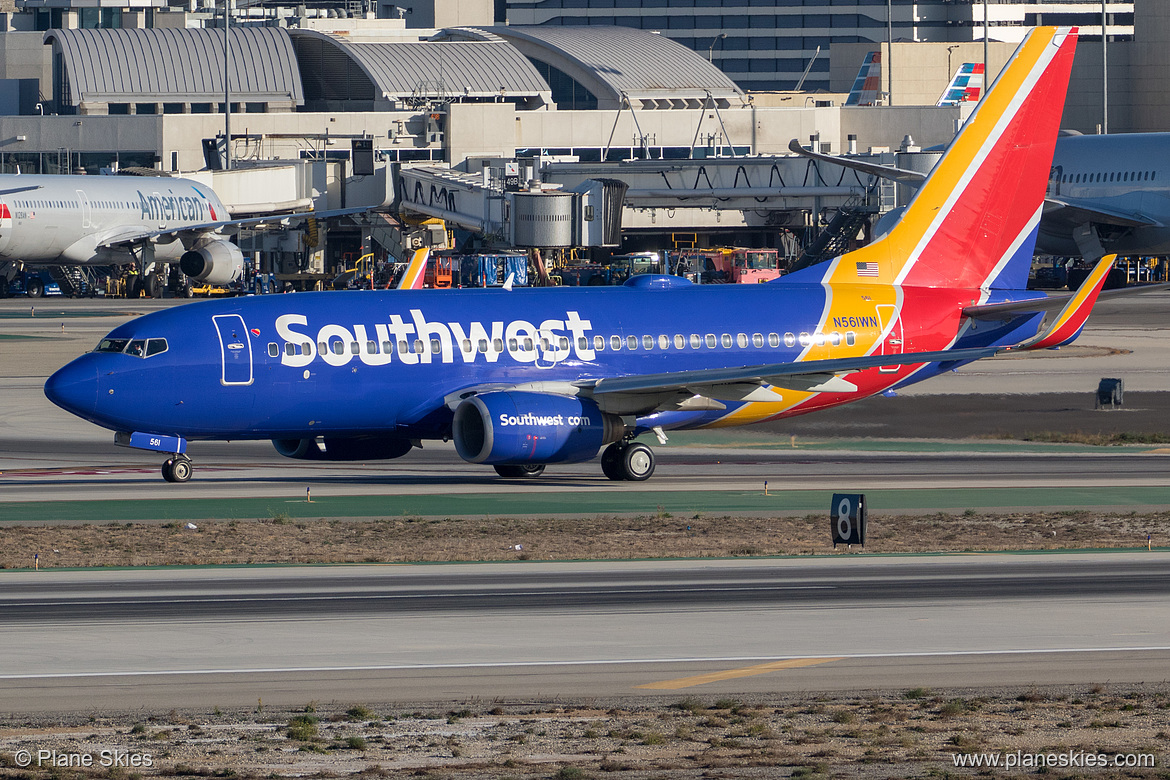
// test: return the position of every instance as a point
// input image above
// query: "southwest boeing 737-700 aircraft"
(528, 377)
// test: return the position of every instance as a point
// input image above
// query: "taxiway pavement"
(524, 631)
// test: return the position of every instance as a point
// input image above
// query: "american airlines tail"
(973, 223)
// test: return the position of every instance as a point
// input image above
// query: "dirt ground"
(407, 539)
(911, 733)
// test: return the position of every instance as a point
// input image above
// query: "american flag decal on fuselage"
(867, 269)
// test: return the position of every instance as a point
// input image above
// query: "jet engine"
(519, 427)
(214, 262)
(336, 448)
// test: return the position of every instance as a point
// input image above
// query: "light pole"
(1104, 70)
(888, 65)
(711, 48)
(986, 75)
(227, 89)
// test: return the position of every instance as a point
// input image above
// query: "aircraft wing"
(1095, 212)
(14, 190)
(137, 235)
(816, 375)
(874, 169)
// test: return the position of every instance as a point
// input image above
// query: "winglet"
(1067, 325)
(415, 273)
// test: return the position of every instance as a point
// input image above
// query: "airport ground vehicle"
(34, 284)
(734, 265)
(610, 271)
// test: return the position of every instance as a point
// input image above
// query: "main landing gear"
(177, 469)
(628, 460)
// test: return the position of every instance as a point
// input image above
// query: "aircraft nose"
(74, 387)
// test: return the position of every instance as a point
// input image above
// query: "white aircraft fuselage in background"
(99, 220)
(1119, 185)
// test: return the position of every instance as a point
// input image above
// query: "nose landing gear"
(630, 461)
(177, 469)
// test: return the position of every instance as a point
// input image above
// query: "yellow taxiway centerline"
(731, 674)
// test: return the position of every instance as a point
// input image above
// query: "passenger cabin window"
(696, 341)
(789, 340)
(647, 342)
(850, 338)
(710, 341)
(598, 343)
(726, 341)
(632, 342)
(757, 340)
(615, 343)
(741, 340)
(679, 341)
(274, 349)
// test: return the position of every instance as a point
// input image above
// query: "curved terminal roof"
(406, 72)
(177, 65)
(611, 62)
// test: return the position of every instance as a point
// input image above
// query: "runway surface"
(227, 637)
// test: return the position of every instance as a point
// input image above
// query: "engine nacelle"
(214, 262)
(300, 449)
(362, 448)
(518, 427)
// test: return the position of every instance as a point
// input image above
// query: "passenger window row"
(561, 343)
(1103, 176)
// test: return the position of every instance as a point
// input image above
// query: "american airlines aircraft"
(1106, 194)
(527, 377)
(113, 220)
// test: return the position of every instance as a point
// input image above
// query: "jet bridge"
(675, 195)
(587, 214)
(715, 193)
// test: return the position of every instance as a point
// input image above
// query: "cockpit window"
(112, 345)
(142, 348)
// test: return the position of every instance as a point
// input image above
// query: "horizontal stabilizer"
(1067, 325)
(1010, 309)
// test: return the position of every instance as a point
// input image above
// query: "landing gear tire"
(155, 285)
(520, 471)
(177, 470)
(611, 462)
(631, 461)
(637, 463)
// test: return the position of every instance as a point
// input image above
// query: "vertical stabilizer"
(973, 222)
(415, 273)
